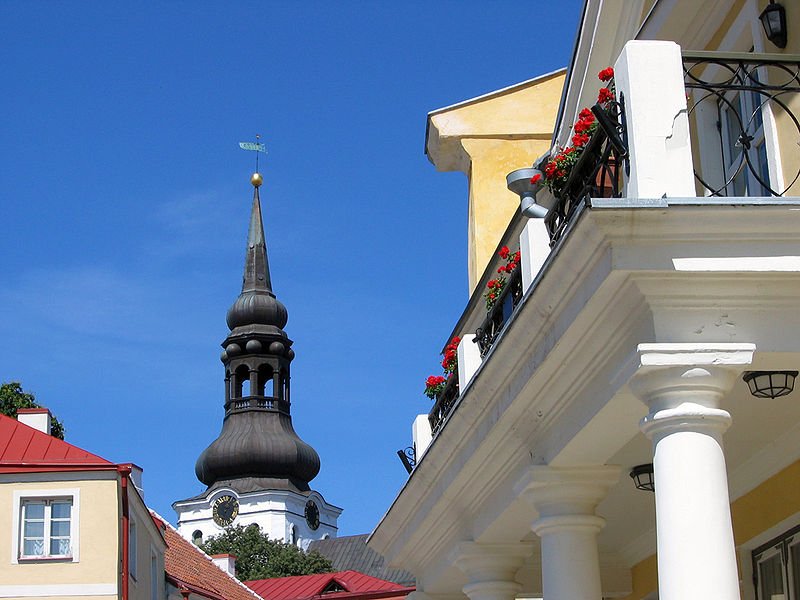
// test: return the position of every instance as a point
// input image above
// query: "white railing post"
(534, 247)
(469, 359)
(649, 80)
(421, 435)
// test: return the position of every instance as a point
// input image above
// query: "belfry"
(258, 469)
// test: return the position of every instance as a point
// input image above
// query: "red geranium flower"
(535, 179)
(504, 252)
(605, 95)
(606, 74)
(586, 114)
(579, 139)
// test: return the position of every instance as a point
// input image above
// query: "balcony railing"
(731, 98)
(445, 401)
(597, 173)
(500, 313)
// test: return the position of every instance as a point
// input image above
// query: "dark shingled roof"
(351, 553)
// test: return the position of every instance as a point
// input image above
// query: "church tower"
(258, 469)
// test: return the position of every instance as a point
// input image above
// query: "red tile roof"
(24, 448)
(302, 587)
(188, 567)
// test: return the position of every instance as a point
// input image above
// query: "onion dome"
(257, 448)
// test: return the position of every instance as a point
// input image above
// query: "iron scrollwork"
(737, 88)
(445, 401)
(500, 312)
(598, 171)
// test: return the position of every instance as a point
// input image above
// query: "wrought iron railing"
(445, 400)
(597, 173)
(733, 92)
(500, 312)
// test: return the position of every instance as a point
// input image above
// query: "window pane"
(770, 572)
(34, 510)
(59, 529)
(61, 510)
(33, 548)
(59, 547)
(739, 182)
(733, 127)
(33, 529)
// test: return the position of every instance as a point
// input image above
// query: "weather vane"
(256, 147)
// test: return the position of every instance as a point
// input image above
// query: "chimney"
(136, 478)
(38, 418)
(226, 562)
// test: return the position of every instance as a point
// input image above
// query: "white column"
(566, 498)
(534, 248)
(469, 359)
(649, 78)
(683, 385)
(491, 569)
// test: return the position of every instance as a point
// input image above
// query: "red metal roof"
(188, 567)
(302, 587)
(24, 448)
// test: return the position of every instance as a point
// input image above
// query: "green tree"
(13, 397)
(258, 557)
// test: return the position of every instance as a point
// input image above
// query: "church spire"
(257, 448)
(256, 266)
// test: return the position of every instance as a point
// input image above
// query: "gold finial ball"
(256, 179)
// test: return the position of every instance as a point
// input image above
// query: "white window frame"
(19, 497)
(780, 547)
(155, 569)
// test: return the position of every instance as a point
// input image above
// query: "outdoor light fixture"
(519, 182)
(770, 384)
(774, 21)
(643, 478)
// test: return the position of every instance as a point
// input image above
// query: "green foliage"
(12, 398)
(258, 557)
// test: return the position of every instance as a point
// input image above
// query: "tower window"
(197, 537)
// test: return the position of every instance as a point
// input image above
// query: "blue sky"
(125, 203)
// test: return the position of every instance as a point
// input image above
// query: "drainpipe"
(124, 472)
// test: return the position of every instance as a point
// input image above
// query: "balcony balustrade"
(500, 313)
(268, 403)
(596, 174)
(734, 100)
(445, 401)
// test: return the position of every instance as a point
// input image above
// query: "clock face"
(312, 515)
(225, 510)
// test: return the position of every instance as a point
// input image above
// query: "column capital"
(558, 491)
(673, 375)
(490, 562)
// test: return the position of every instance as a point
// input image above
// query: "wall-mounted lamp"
(770, 384)
(643, 477)
(774, 21)
(525, 183)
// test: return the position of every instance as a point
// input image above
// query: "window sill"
(45, 559)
